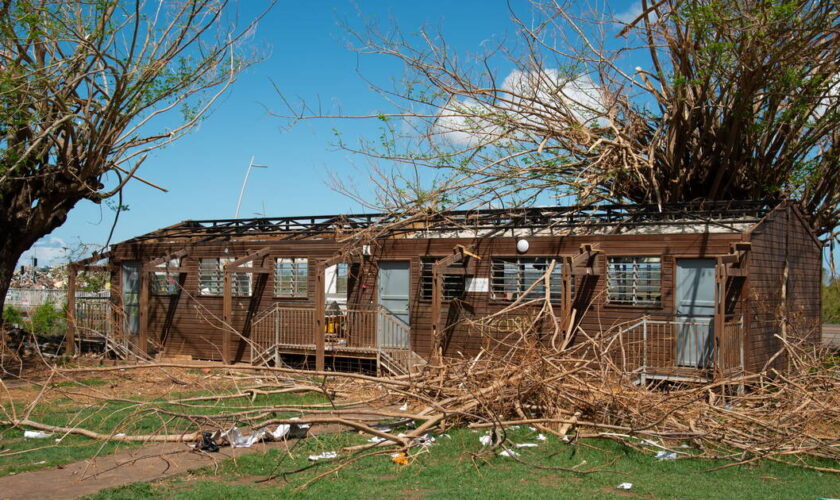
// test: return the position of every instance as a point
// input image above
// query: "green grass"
(107, 417)
(447, 471)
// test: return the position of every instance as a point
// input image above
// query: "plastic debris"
(120, 435)
(36, 434)
(239, 440)
(508, 453)
(207, 443)
(404, 407)
(566, 439)
(376, 439)
(42, 462)
(281, 431)
(424, 440)
(400, 458)
(625, 486)
(514, 427)
(526, 445)
(486, 440)
(323, 456)
(541, 437)
(666, 455)
(532, 428)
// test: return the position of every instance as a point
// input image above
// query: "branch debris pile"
(575, 393)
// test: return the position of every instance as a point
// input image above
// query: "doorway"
(695, 312)
(393, 325)
(131, 296)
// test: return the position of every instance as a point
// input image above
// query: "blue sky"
(306, 57)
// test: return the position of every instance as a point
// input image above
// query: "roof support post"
(459, 253)
(718, 322)
(143, 334)
(318, 324)
(227, 317)
(437, 297)
(70, 341)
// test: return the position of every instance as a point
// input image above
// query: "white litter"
(376, 439)
(666, 455)
(514, 427)
(404, 407)
(526, 445)
(532, 428)
(565, 439)
(120, 435)
(541, 437)
(281, 431)
(447, 436)
(36, 434)
(323, 456)
(238, 440)
(625, 486)
(42, 462)
(425, 440)
(508, 453)
(486, 440)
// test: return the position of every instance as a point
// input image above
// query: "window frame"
(457, 282)
(609, 301)
(218, 277)
(295, 291)
(521, 285)
(159, 283)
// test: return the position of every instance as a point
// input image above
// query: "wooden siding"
(782, 237)
(190, 323)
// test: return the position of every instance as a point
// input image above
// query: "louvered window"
(634, 281)
(512, 277)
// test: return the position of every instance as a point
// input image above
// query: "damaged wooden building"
(699, 290)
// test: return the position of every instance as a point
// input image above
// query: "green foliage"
(48, 320)
(12, 316)
(831, 301)
(448, 470)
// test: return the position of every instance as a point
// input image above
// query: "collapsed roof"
(694, 217)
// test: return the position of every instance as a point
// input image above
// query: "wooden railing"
(368, 330)
(94, 318)
(677, 346)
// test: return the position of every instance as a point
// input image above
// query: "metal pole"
(251, 165)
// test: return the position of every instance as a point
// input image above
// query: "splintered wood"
(574, 393)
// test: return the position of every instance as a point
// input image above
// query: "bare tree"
(88, 89)
(682, 101)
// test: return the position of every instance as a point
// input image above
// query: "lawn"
(133, 415)
(447, 470)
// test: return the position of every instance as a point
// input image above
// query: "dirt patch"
(148, 464)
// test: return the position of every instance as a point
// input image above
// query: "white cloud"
(49, 251)
(527, 97)
(629, 15)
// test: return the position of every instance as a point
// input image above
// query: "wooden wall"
(188, 326)
(589, 291)
(782, 237)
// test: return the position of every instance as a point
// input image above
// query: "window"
(341, 273)
(453, 284)
(165, 282)
(512, 277)
(290, 277)
(634, 281)
(211, 278)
